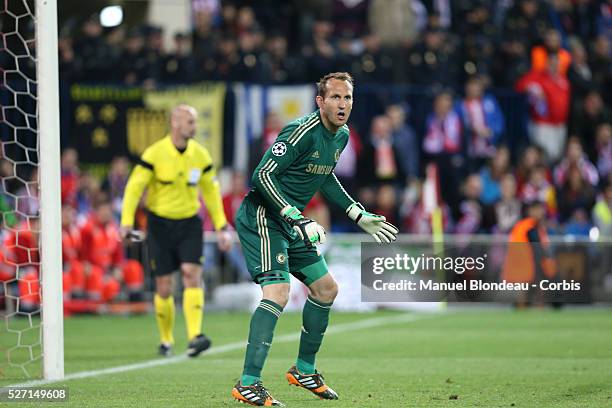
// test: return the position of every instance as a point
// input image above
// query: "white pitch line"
(338, 328)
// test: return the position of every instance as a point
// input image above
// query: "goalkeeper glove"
(308, 230)
(375, 225)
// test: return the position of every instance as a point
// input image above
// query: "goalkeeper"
(277, 239)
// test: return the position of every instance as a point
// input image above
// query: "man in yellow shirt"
(173, 170)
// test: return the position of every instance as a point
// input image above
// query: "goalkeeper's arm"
(375, 225)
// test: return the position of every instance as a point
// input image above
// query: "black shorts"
(173, 242)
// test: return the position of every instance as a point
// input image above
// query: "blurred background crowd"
(553, 57)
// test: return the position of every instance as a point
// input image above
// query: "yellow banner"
(207, 98)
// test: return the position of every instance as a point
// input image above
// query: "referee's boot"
(312, 382)
(200, 343)
(165, 350)
(255, 395)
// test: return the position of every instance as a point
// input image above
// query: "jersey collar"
(172, 147)
(325, 130)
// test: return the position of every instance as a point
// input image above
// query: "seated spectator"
(470, 210)
(22, 260)
(71, 254)
(602, 212)
(538, 188)
(492, 175)
(531, 157)
(604, 150)
(575, 157)
(102, 252)
(69, 168)
(483, 122)
(508, 208)
(578, 224)
(575, 193)
(115, 181)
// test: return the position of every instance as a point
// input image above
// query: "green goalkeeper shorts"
(273, 250)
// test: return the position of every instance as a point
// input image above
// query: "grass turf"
(468, 359)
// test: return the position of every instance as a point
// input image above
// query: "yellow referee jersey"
(172, 179)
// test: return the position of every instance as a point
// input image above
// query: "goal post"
(50, 189)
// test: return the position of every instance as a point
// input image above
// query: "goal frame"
(47, 78)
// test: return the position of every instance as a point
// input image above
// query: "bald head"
(183, 124)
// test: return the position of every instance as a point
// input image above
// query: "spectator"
(482, 120)
(71, 254)
(443, 144)
(21, 254)
(88, 188)
(115, 182)
(526, 21)
(548, 93)
(134, 67)
(178, 66)
(381, 157)
(604, 150)
(539, 188)
(69, 169)
(433, 60)
(492, 175)
(94, 56)
(602, 212)
(575, 157)
(405, 140)
(530, 158)
(470, 210)
(320, 53)
(579, 74)
(600, 60)
(508, 208)
(575, 194)
(511, 61)
(579, 224)
(280, 67)
(102, 253)
(587, 118)
(551, 46)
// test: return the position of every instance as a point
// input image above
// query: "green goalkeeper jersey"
(298, 164)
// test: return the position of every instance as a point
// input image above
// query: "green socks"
(261, 331)
(315, 318)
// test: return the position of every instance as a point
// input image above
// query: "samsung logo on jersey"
(318, 169)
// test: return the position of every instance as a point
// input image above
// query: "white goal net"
(28, 219)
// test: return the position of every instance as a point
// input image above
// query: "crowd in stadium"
(557, 53)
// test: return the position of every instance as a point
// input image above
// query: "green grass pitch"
(490, 358)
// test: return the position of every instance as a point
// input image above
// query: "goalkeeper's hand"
(375, 225)
(308, 230)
